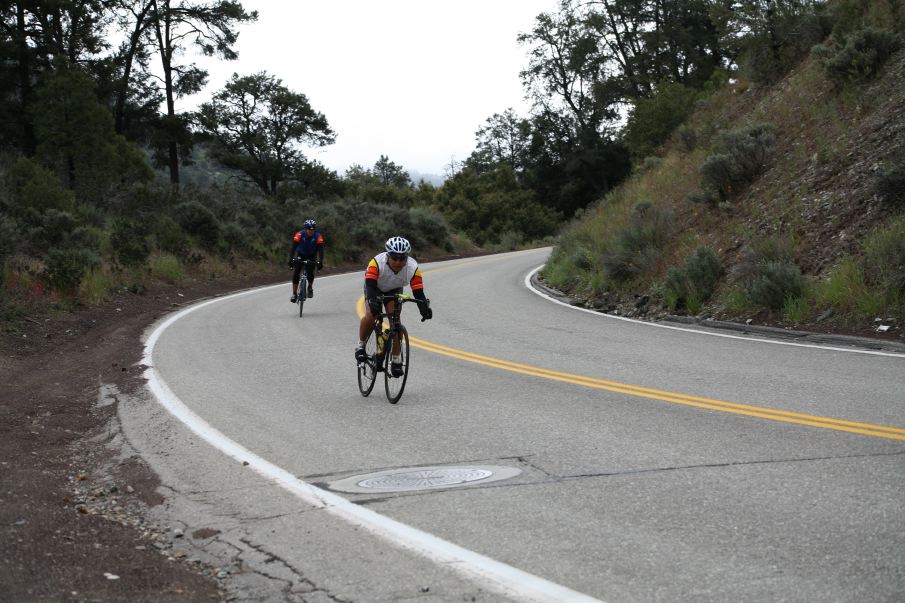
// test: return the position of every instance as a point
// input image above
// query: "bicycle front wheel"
(367, 370)
(300, 294)
(395, 383)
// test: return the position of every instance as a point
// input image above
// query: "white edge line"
(500, 577)
(686, 329)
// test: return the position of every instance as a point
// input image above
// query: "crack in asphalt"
(270, 557)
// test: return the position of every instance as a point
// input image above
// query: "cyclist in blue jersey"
(306, 244)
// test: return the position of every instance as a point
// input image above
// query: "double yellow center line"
(880, 431)
(666, 396)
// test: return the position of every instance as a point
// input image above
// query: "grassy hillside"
(782, 204)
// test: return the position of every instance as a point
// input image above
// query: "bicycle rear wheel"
(300, 294)
(395, 385)
(367, 370)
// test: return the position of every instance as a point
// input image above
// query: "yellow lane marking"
(655, 394)
(785, 416)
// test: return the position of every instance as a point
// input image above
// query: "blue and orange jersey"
(306, 246)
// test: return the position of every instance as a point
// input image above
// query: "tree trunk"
(166, 59)
(123, 92)
(28, 129)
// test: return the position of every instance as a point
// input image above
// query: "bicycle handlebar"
(403, 298)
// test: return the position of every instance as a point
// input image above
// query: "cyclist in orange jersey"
(387, 274)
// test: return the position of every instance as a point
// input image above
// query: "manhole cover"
(422, 478)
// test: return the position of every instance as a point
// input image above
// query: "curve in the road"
(495, 575)
(868, 429)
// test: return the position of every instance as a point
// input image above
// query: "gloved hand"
(375, 306)
(291, 262)
(426, 312)
(320, 265)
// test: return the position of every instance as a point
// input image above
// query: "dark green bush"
(773, 283)
(199, 221)
(67, 266)
(889, 184)
(769, 275)
(129, 241)
(783, 36)
(703, 270)
(687, 137)
(429, 228)
(636, 246)
(653, 119)
(8, 243)
(34, 187)
(169, 236)
(861, 57)
(235, 238)
(739, 157)
(694, 284)
(884, 260)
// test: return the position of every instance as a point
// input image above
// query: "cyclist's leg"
(296, 276)
(365, 327)
(309, 270)
(391, 306)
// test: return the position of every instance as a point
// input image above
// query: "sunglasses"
(398, 256)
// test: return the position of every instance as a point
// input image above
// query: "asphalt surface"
(652, 464)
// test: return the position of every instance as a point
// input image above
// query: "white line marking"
(498, 576)
(687, 330)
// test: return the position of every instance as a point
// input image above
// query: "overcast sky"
(410, 79)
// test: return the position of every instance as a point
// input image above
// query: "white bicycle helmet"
(398, 245)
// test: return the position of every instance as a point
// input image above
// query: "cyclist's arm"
(320, 249)
(372, 293)
(417, 285)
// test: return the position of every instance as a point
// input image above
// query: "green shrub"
(166, 267)
(675, 288)
(687, 137)
(129, 242)
(691, 286)
(889, 184)
(169, 236)
(653, 119)
(429, 228)
(35, 187)
(796, 309)
(884, 260)
(199, 221)
(773, 283)
(94, 286)
(648, 164)
(235, 238)
(769, 275)
(861, 57)
(636, 247)
(8, 236)
(67, 266)
(739, 157)
(842, 288)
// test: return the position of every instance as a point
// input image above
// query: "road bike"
(302, 292)
(384, 342)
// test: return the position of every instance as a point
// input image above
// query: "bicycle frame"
(395, 343)
(302, 292)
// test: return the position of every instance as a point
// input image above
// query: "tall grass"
(166, 267)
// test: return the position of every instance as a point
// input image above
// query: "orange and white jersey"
(379, 270)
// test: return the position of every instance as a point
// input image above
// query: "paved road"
(652, 464)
